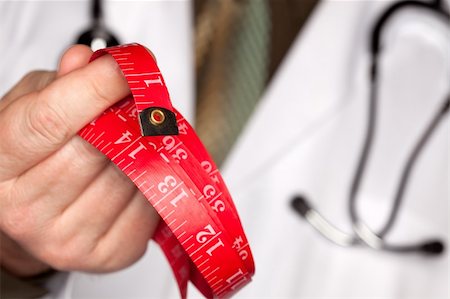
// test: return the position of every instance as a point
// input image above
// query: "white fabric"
(319, 98)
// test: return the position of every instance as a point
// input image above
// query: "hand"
(63, 204)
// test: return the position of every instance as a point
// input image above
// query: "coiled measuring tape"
(200, 232)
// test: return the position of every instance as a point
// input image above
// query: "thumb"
(74, 58)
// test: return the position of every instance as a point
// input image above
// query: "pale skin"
(63, 204)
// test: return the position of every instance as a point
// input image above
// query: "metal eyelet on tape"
(200, 232)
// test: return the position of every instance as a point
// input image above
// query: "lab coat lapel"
(312, 81)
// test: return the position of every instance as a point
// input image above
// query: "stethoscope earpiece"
(300, 205)
(434, 247)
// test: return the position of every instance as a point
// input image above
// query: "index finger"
(40, 123)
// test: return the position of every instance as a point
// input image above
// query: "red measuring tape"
(200, 232)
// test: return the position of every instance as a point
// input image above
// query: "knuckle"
(97, 258)
(75, 254)
(62, 256)
(56, 256)
(18, 222)
(100, 261)
(69, 254)
(5, 195)
(47, 122)
(110, 261)
(17, 218)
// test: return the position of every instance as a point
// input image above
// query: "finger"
(33, 81)
(74, 58)
(128, 238)
(96, 209)
(40, 123)
(124, 243)
(52, 185)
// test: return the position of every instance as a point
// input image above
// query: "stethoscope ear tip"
(435, 247)
(300, 205)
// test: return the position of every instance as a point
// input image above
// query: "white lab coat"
(306, 136)
(319, 99)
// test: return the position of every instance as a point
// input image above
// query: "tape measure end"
(157, 121)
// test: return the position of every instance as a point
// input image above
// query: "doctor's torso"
(321, 88)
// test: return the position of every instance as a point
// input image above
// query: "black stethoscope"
(97, 36)
(362, 234)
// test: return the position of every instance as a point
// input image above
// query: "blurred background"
(279, 92)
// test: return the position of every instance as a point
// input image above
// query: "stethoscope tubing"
(362, 234)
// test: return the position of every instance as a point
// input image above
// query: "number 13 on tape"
(200, 232)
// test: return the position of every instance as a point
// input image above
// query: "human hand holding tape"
(174, 173)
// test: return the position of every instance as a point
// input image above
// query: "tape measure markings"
(200, 224)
